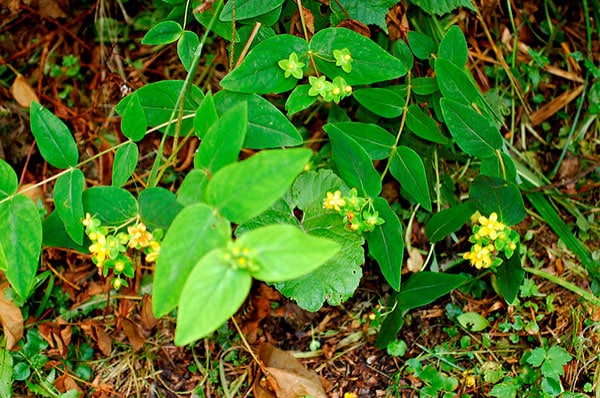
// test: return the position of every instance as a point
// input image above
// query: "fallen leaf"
(133, 332)
(97, 333)
(51, 9)
(286, 376)
(148, 319)
(415, 260)
(66, 383)
(22, 92)
(11, 318)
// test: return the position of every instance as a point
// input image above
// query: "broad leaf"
(381, 101)
(158, 207)
(369, 13)
(8, 180)
(421, 44)
(493, 194)
(376, 141)
(311, 188)
(193, 187)
(299, 100)
(223, 141)
(260, 73)
(53, 138)
(243, 190)
(133, 121)
(267, 126)
(68, 193)
(194, 232)
(407, 167)
(370, 63)
(164, 32)
(186, 48)
(503, 167)
(246, 9)
(454, 47)
(440, 7)
(213, 292)
(423, 126)
(20, 242)
(126, 159)
(111, 205)
(386, 243)
(509, 277)
(455, 83)
(424, 85)
(474, 133)
(353, 163)
(206, 115)
(450, 220)
(55, 235)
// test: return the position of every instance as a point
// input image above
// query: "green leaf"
(370, 63)
(8, 180)
(386, 243)
(445, 222)
(55, 235)
(223, 29)
(423, 126)
(381, 101)
(556, 359)
(474, 133)
(164, 32)
(369, 13)
(421, 289)
(311, 188)
(401, 50)
(21, 242)
(6, 373)
(68, 193)
(242, 190)
(376, 141)
(420, 44)
(424, 85)
(186, 47)
(353, 163)
(454, 47)
(472, 321)
(206, 115)
(223, 141)
(53, 138)
(504, 390)
(133, 121)
(158, 101)
(299, 100)
(126, 159)
(407, 167)
(245, 9)
(158, 207)
(509, 277)
(493, 194)
(492, 167)
(267, 126)
(455, 83)
(284, 252)
(111, 205)
(194, 232)
(260, 73)
(193, 187)
(212, 294)
(440, 7)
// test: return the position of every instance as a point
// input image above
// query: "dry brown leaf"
(554, 106)
(51, 9)
(97, 333)
(22, 92)
(415, 260)
(134, 333)
(286, 376)
(65, 383)
(11, 318)
(148, 319)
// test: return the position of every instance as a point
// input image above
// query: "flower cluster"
(241, 258)
(357, 211)
(490, 238)
(109, 247)
(334, 91)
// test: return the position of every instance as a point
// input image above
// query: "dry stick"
(248, 44)
(563, 182)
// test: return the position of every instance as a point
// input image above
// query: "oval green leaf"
(424, 85)
(164, 32)
(423, 126)
(158, 207)
(186, 47)
(420, 44)
(206, 115)
(111, 205)
(407, 167)
(193, 187)
(68, 193)
(375, 140)
(299, 100)
(494, 194)
(381, 101)
(9, 182)
(509, 276)
(126, 159)
(454, 47)
(246, 9)
(55, 235)
(53, 138)
(445, 222)
(455, 83)
(133, 121)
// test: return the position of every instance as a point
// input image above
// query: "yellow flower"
(350, 395)
(99, 249)
(479, 257)
(334, 201)
(153, 252)
(138, 236)
(490, 226)
(87, 221)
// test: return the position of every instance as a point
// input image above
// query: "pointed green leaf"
(407, 167)
(423, 126)
(246, 9)
(353, 163)
(223, 141)
(126, 159)
(493, 194)
(424, 85)
(193, 187)
(472, 321)
(111, 205)
(284, 252)
(243, 190)
(194, 232)
(455, 83)
(370, 63)
(267, 126)
(386, 243)
(186, 47)
(299, 100)
(381, 101)
(260, 72)
(505, 168)
(420, 44)
(6, 373)
(53, 138)
(206, 115)
(133, 121)
(164, 32)
(454, 47)
(68, 193)
(474, 133)
(21, 242)
(450, 220)
(376, 141)
(509, 277)
(8, 180)
(55, 235)
(158, 207)
(212, 294)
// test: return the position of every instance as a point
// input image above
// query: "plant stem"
(566, 284)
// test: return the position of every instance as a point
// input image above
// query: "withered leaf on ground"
(11, 318)
(134, 333)
(22, 92)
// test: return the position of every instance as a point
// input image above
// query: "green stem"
(566, 284)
